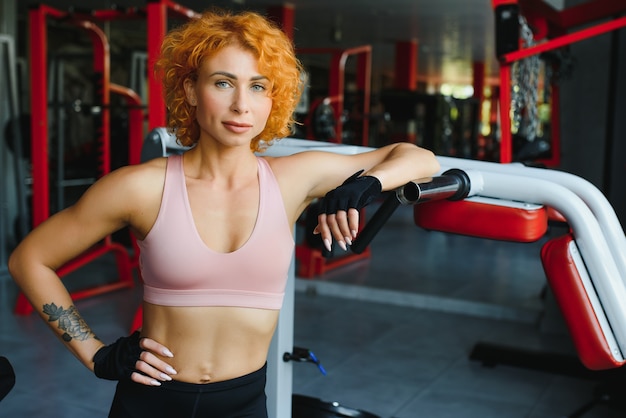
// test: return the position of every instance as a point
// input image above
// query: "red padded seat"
(569, 291)
(484, 218)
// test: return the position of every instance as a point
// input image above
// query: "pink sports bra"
(178, 269)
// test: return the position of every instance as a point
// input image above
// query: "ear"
(190, 92)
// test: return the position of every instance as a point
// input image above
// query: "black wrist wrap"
(356, 192)
(117, 361)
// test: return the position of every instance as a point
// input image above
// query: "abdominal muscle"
(211, 344)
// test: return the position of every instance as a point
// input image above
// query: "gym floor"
(394, 332)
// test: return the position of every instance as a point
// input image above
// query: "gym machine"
(548, 23)
(38, 17)
(585, 267)
(13, 140)
(156, 12)
(7, 377)
(443, 124)
(324, 120)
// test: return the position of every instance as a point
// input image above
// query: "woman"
(214, 225)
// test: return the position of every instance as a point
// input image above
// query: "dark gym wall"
(618, 152)
(8, 209)
(586, 114)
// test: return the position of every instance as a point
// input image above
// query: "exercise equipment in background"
(7, 377)
(13, 190)
(517, 47)
(100, 111)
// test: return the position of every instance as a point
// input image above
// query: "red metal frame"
(337, 82)
(135, 141)
(39, 142)
(558, 23)
(158, 12)
(564, 40)
(135, 121)
(39, 101)
(573, 16)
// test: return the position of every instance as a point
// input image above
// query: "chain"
(524, 89)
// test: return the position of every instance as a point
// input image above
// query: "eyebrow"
(234, 77)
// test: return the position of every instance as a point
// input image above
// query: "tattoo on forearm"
(70, 322)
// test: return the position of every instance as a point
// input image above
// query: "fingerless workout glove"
(117, 361)
(356, 192)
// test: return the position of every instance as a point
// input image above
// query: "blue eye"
(258, 87)
(222, 84)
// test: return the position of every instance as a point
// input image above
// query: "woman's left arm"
(394, 166)
(384, 168)
(402, 163)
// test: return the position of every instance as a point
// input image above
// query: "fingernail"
(155, 383)
(165, 377)
(327, 244)
(353, 233)
(342, 245)
(348, 240)
(167, 353)
(170, 370)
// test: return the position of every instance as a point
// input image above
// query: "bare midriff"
(211, 344)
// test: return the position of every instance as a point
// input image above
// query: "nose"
(240, 101)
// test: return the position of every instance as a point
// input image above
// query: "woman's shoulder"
(137, 191)
(291, 162)
(141, 174)
(133, 181)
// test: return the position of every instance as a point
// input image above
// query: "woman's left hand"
(340, 209)
(342, 225)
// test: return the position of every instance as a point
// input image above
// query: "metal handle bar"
(454, 184)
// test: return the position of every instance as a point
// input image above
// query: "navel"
(205, 378)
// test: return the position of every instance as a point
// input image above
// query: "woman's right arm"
(107, 206)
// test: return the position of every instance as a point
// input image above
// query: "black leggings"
(236, 398)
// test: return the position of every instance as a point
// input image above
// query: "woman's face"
(231, 97)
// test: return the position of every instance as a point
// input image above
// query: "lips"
(237, 127)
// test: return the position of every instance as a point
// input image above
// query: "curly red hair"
(184, 49)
